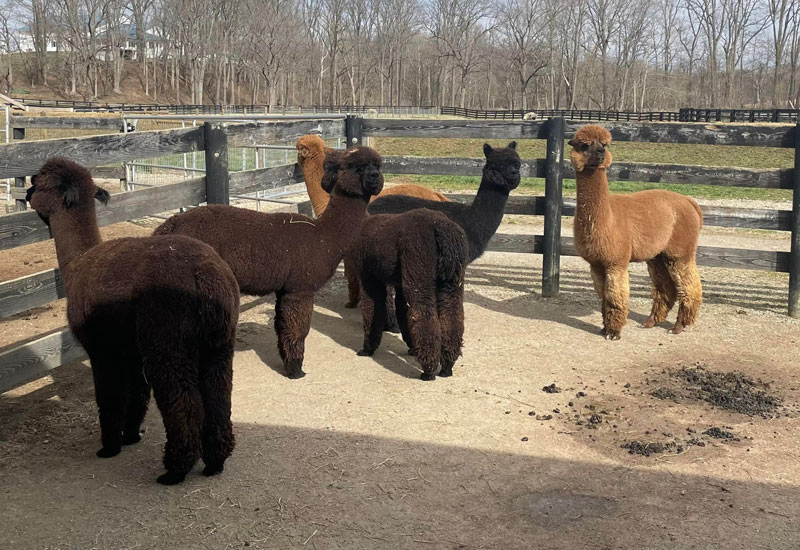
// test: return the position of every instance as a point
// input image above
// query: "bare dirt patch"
(361, 454)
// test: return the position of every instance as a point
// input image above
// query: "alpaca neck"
(312, 173)
(74, 233)
(341, 222)
(485, 214)
(593, 208)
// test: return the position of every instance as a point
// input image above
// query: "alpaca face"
(60, 185)
(502, 166)
(309, 146)
(356, 172)
(590, 148)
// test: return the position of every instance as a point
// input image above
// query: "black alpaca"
(480, 219)
(158, 311)
(422, 254)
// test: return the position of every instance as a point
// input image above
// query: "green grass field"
(703, 155)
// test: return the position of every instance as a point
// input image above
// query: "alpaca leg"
(391, 314)
(216, 384)
(664, 291)
(373, 311)
(690, 293)
(292, 323)
(111, 396)
(450, 298)
(139, 398)
(423, 322)
(616, 294)
(353, 286)
(401, 307)
(599, 281)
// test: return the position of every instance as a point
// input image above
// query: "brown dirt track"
(361, 454)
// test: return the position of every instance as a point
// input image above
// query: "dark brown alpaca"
(423, 255)
(158, 311)
(289, 254)
(658, 227)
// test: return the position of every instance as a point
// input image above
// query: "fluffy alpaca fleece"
(423, 255)
(289, 254)
(157, 311)
(311, 151)
(658, 227)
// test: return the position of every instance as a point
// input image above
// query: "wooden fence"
(572, 114)
(739, 115)
(27, 361)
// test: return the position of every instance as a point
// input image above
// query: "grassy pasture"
(703, 155)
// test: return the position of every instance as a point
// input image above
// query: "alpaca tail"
(452, 251)
(699, 211)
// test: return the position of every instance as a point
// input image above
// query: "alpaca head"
(355, 172)
(502, 166)
(590, 148)
(63, 185)
(309, 146)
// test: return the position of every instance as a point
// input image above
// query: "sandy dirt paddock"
(362, 454)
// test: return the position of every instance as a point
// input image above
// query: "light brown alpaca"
(310, 156)
(655, 226)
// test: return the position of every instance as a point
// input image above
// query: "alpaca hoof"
(131, 438)
(650, 323)
(294, 369)
(411, 352)
(213, 469)
(352, 304)
(613, 335)
(677, 329)
(365, 353)
(108, 452)
(446, 372)
(170, 478)
(427, 376)
(295, 374)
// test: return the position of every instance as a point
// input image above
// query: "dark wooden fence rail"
(25, 362)
(739, 115)
(572, 114)
(35, 358)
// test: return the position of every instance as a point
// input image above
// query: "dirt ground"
(362, 454)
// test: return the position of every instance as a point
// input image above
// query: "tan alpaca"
(310, 156)
(655, 226)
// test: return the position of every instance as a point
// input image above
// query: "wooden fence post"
(21, 204)
(794, 255)
(215, 139)
(551, 258)
(353, 130)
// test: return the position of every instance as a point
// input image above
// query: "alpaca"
(423, 255)
(289, 254)
(311, 152)
(655, 226)
(158, 311)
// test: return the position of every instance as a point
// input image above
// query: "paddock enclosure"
(360, 455)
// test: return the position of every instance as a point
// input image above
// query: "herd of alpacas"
(407, 241)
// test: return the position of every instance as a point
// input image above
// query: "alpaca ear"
(102, 195)
(70, 195)
(513, 145)
(487, 149)
(573, 142)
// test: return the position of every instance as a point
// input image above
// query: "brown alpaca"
(423, 255)
(158, 311)
(658, 227)
(289, 254)
(311, 151)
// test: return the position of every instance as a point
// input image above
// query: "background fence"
(217, 139)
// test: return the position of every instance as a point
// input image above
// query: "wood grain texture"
(444, 166)
(653, 132)
(73, 123)
(25, 227)
(30, 291)
(249, 181)
(25, 158)
(268, 133)
(34, 359)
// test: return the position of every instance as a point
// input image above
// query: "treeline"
(519, 54)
